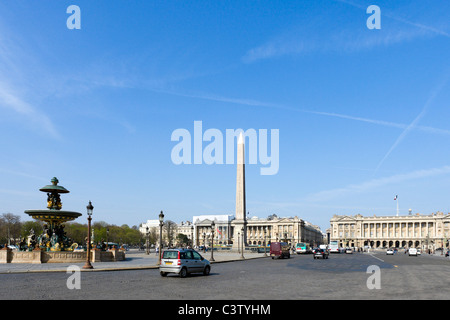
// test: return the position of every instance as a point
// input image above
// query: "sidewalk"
(436, 254)
(134, 260)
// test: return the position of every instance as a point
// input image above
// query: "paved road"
(134, 260)
(342, 276)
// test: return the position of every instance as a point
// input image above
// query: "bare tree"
(171, 228)
(10, 227)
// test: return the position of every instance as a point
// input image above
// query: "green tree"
(36, 225)
(10, 228)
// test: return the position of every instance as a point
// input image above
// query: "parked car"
(320, 253)
(412, 252)
(349, 250)
(183, 262)
(390, 251)
(419, 252)
(280, 250)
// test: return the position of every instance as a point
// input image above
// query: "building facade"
(256, 232)
(411, 231)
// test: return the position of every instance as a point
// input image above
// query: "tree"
(36, 225)
(170, 227)
(182, 239)
(10, 228)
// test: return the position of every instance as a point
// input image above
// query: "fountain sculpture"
(53, 238)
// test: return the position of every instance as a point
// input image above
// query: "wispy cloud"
(11, 100)
(298, 42)
(348, 41)
(381, 122)
(258, 103)
(18, 70)
(374, 183)
(22, 174)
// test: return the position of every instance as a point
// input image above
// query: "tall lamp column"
(88, 264)
(147, 241)
(265, 245)
(212, 240)
(242, 243)
(161, 223)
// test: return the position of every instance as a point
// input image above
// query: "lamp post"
(212, 241)
(265, 249)
(88, 265)
(192, 236)
(147, 241)
(161, 223)
(239, 242)
(445, 243)
(107, 238)
(242, 244)
(204, 242)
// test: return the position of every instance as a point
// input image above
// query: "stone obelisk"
(240, 222)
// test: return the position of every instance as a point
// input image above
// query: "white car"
(390, 251)
(412, 252)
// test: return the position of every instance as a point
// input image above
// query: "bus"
(302, 248)
(334, 246)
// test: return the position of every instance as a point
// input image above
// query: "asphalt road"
(342, 276)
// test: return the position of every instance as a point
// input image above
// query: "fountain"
(53, 238)
(53, 246)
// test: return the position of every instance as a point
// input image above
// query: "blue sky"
(362, 114)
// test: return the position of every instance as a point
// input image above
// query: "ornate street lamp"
(107, 238)
(147, 241)
(204, 242)
(265, 249)
(242, 243)
(161, 223)
(192, 236)
(212, 240)
(239, 242)
(88, 265)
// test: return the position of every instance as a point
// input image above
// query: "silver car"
(183, 262)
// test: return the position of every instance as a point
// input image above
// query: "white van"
(412, 252)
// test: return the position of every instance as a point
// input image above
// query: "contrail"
(256, 103)
(413, 124)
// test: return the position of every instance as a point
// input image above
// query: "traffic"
(183, 262)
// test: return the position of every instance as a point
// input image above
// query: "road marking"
(370, 254)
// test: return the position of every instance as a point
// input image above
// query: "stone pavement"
(134, 260)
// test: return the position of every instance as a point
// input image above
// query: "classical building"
(151, 225)
(414, 230)
(186, 228)
(223, 233)
(291, 230)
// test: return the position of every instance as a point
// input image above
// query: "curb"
(116, 269)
